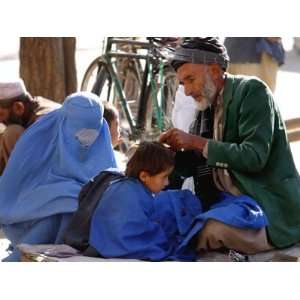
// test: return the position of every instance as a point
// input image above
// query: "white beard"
(203, 105)
(209, 94)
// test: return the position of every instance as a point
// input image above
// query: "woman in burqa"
(52, 160)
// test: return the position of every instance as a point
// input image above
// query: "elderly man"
(18, 110)
(237, 145)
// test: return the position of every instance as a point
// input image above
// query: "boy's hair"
(150, 157)
(110, 112)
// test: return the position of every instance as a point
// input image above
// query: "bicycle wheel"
(97, 79)
(90, 75)
(152, 128)
(169, 90)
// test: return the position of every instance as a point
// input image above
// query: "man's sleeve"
(255, 134)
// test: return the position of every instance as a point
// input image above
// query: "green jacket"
(256, 151)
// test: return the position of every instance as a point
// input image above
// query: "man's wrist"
(199, 143)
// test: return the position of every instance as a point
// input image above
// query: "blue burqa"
(51, 161)
(131, 223)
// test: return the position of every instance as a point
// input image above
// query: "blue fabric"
(176, 210)
(241, 212)
(130, 222)
(42, 231)
(53, 159)
(274, 49)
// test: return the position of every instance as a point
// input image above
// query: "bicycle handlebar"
(145, 45)
(160, 42)
(164, 41)
(155, 46)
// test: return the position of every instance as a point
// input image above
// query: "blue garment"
(50, 163)
(42, 231)
(238, 211)
(273, 49)
(130, 222)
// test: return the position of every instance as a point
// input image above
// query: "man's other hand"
(179, 140)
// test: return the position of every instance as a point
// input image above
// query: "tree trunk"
(47, 66)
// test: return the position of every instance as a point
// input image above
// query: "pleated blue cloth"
(239, 211)
(131, 223)
(51, 161)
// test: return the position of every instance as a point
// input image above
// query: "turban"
(200, 51)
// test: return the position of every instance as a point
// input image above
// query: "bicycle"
(136, 77)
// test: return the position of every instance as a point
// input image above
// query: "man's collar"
(228, 88)
(220, 95)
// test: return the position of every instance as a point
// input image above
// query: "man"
(18, 110)
(237, 145)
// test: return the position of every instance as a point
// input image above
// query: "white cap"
(12, 89)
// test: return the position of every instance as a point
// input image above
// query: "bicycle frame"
(148, 81)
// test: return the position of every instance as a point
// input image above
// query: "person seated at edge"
(18, 110)
(237, 144)
(111, 115)
(52, 160)
(134, 219)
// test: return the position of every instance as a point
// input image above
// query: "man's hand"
(179, 140)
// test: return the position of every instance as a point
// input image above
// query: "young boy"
(133, 221)
(152, 163)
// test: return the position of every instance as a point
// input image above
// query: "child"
(111, 115)
(152, 163)
(133, 221)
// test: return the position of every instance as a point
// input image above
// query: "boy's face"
(157, 182)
